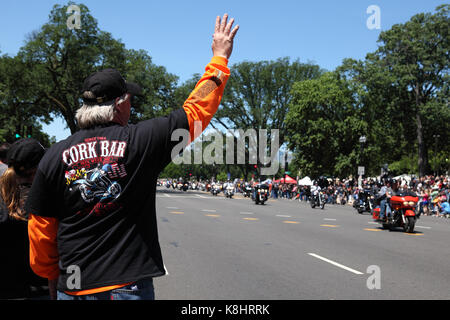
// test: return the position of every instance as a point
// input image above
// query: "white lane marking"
(335, 263)
(166, 195)
(283, 216)
(172, 207)
(203, 197)
(243, 212)
(208, 210)
(328, 219)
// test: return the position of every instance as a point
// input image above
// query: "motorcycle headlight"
(412, 203)
(406, 203)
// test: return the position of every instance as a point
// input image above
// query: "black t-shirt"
(100, 184)
(17, 280)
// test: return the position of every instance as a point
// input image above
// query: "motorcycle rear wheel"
(387, 226)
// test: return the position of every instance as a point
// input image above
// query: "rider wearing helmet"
(315, 189)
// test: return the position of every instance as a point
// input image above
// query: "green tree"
(257, 97)
(417, 54)
(59, 59)
(323, 127)
(18, 114)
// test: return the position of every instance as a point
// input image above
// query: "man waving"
(92, 224)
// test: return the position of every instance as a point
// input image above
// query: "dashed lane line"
(368, 229)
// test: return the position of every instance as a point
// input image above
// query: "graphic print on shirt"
(94, 170)
(95, 185)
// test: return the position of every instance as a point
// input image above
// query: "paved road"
(231, 249)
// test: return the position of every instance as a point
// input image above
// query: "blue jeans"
(384, 206)
(139, 290)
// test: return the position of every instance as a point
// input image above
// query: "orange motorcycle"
(402, 215)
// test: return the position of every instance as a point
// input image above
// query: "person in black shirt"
(92, 205)
(17, 279)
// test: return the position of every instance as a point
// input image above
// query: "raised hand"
(223, 37)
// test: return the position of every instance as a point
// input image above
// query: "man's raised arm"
(204, 100)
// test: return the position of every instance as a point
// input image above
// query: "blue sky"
(177, 34)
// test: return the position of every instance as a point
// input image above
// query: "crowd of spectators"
(433, 192)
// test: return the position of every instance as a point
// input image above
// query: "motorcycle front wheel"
(410, 223)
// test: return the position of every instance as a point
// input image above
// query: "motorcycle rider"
(315, 189)
(228, 187)
(385, 194)
(364, 193)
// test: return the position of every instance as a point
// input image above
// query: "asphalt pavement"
(216, 248)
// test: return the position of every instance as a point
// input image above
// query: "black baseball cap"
(107, 85)
(25, 154)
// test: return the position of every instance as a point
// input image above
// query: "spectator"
(92, 204)
(17, 279)
(444, 207)
(4, 147)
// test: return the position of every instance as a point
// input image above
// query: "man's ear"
(116, 103)
(122, 110)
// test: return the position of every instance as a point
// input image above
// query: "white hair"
(92, 114)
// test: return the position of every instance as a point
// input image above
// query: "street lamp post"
(361, 169)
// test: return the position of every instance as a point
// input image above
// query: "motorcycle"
(365, 202)
(261, 194)
(318, 200)
(185, 186)
(215, 190)
(229, 192)
(402, 213)
(247, 191)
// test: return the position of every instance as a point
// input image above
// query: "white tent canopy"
(306, 181)
(406, 177)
